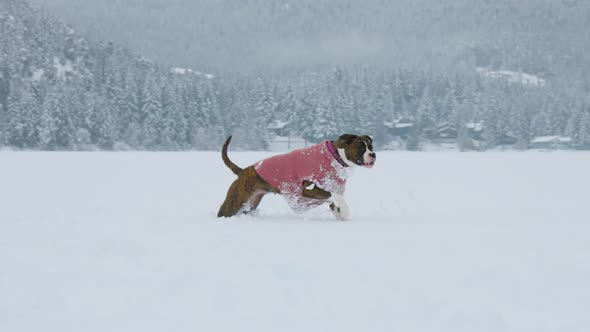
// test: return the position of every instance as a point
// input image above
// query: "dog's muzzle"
(370, 161)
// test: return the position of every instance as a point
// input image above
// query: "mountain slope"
(57, 91)
(541, 37)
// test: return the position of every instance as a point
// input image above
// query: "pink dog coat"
(319, 164)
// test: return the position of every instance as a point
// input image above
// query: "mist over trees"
(542, 37)
(327, 67)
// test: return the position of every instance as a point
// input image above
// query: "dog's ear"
(347, 138)
(368, 138)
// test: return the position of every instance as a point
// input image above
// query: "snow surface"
(437, 242)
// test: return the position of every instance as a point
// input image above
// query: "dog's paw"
(339, 207)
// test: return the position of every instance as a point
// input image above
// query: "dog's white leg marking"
(340, 209)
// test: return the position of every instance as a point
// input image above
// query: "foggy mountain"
(58, 91)
(543, 37)
(478, 75)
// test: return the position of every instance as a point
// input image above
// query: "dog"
(306, 177)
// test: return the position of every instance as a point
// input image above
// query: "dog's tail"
(234, 168)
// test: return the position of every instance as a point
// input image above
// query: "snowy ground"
(437, 242)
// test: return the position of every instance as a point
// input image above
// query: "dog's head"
(356, 150)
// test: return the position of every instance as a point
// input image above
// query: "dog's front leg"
(337, 203)
(339, 207)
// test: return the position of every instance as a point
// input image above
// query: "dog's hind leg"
(235, 199)
(245, 193)
(255, 200)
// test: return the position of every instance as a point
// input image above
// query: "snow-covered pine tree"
(584, 131)
(4, 93)
(63, 120)
(105, 123)
(305, 123)
(168, 103)
(542, 125)
(288, 107)
(574, 125)
(520, 125)
(129, 107)
(179, 120)
(368, 103)
(47, 126)
(152, 113)
(265, 105)
(16, 121)
(559, 107)
(425, 116)
(324, 125)
(489, 108)
(462, 114)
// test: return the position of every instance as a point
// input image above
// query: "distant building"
(287, 143)
(400, 127)
(550, 142)
(475, 130)
(513, 77)
(506, 139)
(279, 128)
(283, 137)
(446, 131)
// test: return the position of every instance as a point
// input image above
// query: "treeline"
(155, 110)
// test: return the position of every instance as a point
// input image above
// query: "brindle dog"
(246, 192)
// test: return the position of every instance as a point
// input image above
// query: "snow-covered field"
(437, 242)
